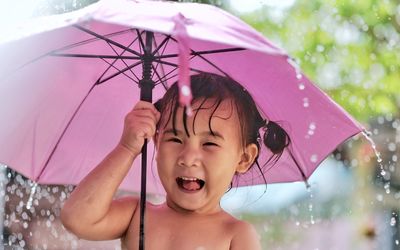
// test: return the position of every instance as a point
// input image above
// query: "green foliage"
(351, 49)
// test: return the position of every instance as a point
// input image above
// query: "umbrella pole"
(146, 87)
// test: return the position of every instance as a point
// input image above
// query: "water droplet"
(393, 221)
(297, 223)
(33, 190)
(314, 158)
(379, 197)
(392, 147)
(387, 187)
(302, 86)
(63, 196)
(24, 215)
(396, 242)
(306, 103)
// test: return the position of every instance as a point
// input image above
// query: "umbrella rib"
(94, 56)
(99, 81)
(141, 43)
(92, 40)
(120, 72)
(298, 166)
(107, 40)
(165, 78)
(160, 78)
(175, 68)
(176, 65)
(156, 51)
(166, 40)
(62, 134)
(203, 52)
(212, 64)
(111, 65)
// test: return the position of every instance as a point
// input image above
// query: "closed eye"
(174, 139)
(210, 144)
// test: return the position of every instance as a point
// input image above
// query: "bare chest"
(163, 231)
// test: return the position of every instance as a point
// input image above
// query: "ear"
(247, 159)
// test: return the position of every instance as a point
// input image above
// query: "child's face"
(197, 170)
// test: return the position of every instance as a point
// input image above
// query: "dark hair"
(207, 86)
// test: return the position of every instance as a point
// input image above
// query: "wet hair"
(254, 128)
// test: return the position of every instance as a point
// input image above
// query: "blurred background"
(350, 49)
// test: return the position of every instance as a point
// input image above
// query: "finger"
(146, 129)
(146, 106)
(136, 122)
(140, 114)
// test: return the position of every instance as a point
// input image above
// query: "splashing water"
(30, 199)
(383, 172)
(295, 65)
(310, 205)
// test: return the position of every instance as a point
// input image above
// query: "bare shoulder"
(245, 236)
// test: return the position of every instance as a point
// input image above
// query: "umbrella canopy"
(67, 81)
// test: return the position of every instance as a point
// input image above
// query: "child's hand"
(139, 124)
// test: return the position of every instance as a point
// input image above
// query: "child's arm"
(246, 237)
(90, 212)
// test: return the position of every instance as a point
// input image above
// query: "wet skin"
(191, 217)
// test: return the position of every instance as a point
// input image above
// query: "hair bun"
(275, 138)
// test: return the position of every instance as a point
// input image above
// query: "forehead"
(205, 112)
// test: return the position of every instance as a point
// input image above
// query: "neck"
(205, 211)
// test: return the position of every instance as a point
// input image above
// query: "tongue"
(191, 185)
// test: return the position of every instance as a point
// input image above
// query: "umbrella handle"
(146, 92)
(143, 195)
(145, 95)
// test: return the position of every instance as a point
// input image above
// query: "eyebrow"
(205, 133)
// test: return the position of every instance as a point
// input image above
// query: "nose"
(190, 156)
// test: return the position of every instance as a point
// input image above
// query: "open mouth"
(190, 183)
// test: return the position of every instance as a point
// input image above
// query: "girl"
(197, 157)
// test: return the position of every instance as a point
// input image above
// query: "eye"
(174, 139)
(210, 144)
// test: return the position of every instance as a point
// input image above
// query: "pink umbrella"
(67, 81)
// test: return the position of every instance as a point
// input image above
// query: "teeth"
(189, 178)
